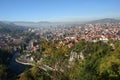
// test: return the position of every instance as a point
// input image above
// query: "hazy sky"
(58, 10)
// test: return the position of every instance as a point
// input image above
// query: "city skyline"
(58, 10)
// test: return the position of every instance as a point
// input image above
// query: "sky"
(58, 10)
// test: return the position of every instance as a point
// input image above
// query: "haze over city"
(58, 10)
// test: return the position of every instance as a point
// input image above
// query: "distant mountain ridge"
(47, 23)
(105, 20)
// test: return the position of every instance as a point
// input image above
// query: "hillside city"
(67, 36)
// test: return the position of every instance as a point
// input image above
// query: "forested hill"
(9, 27)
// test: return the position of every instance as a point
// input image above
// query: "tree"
(26, 76)
(109, 67)
(34, 73)
(3, 72)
